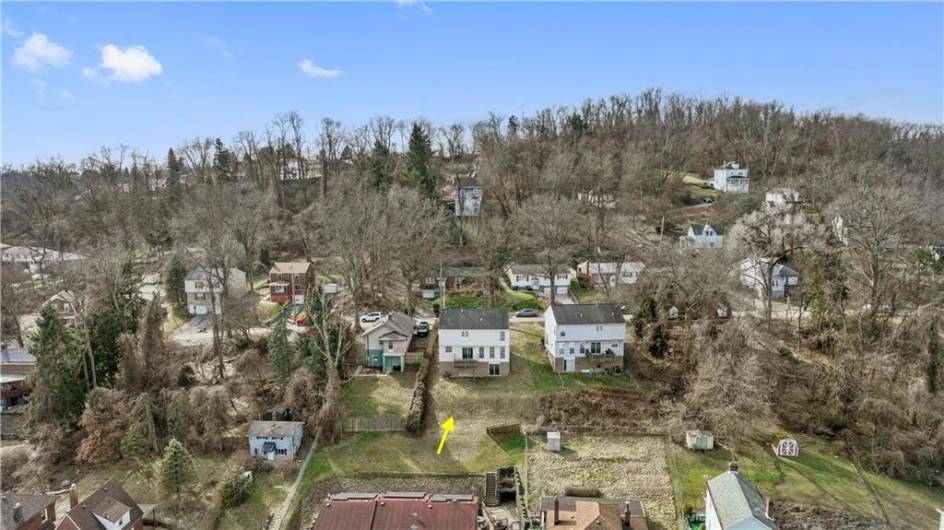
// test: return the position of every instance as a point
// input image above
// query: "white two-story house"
(275, 440)
(611, 273)
(584, 336)
(533, 278)
(731, 177)
(782, 279)
(474, 342)
(201, 287)
(702, 236)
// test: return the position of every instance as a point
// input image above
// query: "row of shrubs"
(414, 418)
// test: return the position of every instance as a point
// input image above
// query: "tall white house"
(734, 503)
(731, 177)
(782, 279)
(474, 342)
(701, 236)
(468, 196)
(611, 273)
(581, 337)
(201, 287)
(533, 278)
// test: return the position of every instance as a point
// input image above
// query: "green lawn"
(387, 395)
(817, 477)
(508, 300)
(269, 490)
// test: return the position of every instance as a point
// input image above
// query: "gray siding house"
(275, 440)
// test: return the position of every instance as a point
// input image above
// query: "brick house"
(19, 511)
(289, 281)
(107, 508)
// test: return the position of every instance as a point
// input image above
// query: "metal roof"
(397, 510)
(587, 314)
(473, 319)
(737, 500)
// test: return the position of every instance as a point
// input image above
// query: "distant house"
(15, 365)
(731, 178)
(782, 196)
(611, 273)
(702, 236)
(275, 440)
(15, 360)
(201, 287)
(20, 511)
(65, 303)
(584, 336)
(782, 278)
(398, 510)
(592, 513)
(474, 342)
(289, 281)
(108, 508)
(450, 276)
(533, 278)
(597, 200)
(464, 196)
(387, 341)
(733, 503)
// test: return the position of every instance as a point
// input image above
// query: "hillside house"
(65, 303)
(397, 510)
(275, 440)
(448, 276)
(202, 288)
(582, 337)
(387, 341)
(20, 511)
(731, 178)
(603, 201)
(464, 197)
(15, 360)
(701, 236)
(592, 513)
(474, 342)
(533, 278)
(782, 197)
(289, 282)
(15, 365)
(734, 503)
(782, 279)
(108, 508)
(611, 273)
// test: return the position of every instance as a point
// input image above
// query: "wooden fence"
(375, 424)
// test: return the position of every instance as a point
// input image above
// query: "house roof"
(383, 511)
(698, 229)
(733, 165)
(289, 267)
(587, 314)
(30, 505)
(527, 269)
(737, 500)
(783, 271)
(580, 513)
(63, 296)
(473, 319)
(20, 356)
(400, 323)
(274, 429)
(197, 274)
(469, 181)
(106, 502)
(610, 267)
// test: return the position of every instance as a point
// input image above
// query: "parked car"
(373, 316)
(527, 313)
(422, 329)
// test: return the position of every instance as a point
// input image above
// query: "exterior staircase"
(491, 488)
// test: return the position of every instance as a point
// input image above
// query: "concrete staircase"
(491, 489)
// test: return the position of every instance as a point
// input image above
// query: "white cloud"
(39, 85)
(10, 29)
(419, 4)
(65, 95)
(313, 70)
(131, 64)
(217, 44)
(38, 51)
(89, 73)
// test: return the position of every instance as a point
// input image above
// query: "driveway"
(194, 332)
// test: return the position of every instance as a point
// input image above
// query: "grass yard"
(382, 395)
(508, 300)
(817, 477)
(269, 490)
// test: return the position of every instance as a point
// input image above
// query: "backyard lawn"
(379, 395)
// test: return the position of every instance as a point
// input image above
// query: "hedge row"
(414, 418)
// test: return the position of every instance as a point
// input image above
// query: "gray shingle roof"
(16, 356)
(737, 500)
(29, 504)
(473, 319)
(401, 323)
(698, 229)
(588, 314)
(273, 429)
(527, 269)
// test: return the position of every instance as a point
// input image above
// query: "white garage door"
(298, 299)
(562, 290)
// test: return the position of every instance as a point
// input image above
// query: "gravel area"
(631, 467)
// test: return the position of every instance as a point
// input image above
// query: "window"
(467, 353)
(198, 285)
(279, 288)
(494, 369)
(595, 347)
(519, 278)
(448, 349)
(560, 350)
(196, 296)
(501, 336)
(615, 347)
(599, 328)
(571, 350)
(563, 333)
(481, 352)
(464, 333)
(390, 346)
(491, 352)
(501, 352)
(562, 276)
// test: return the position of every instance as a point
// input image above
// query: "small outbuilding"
(554, 441)
(699, 440)
(787, 447)
(275, 440)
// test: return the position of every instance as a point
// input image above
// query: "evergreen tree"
(658, 342)
(175, 276)
(141, 436)
(280, 351)
(105, 328)
(177, 471)
(419, 156)
(825, 289)
(59, 384)
(222, 162)
(380, 167)
(172, 187)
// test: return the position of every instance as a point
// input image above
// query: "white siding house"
(468, 200)
(581, 337)
(782, 196)
(474, 342)
(702, 236)
(734, 503)
(387, 341)
(731, 178)
(201, 286)
(275, 440)
(533, 278)
(611, 273)
(782, 278)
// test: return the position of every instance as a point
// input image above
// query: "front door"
(569, 365)
(298, 299)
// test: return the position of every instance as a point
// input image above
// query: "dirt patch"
(801, 517)
(616, 409)
(630, 467)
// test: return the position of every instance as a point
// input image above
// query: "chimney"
(733, 466)
(17, 512)
(556, 510)
(626, 514)
(73, 496)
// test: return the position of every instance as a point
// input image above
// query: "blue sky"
(77, 76)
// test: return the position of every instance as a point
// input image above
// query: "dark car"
(526, 313)
(422, 329)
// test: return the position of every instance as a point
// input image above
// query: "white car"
(372, 317)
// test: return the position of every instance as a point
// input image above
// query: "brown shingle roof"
(31, 505)
(105, 502)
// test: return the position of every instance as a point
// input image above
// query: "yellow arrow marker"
(448, 426)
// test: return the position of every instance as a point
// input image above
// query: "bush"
(414, 418)
(784, 351)
(236, 488)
